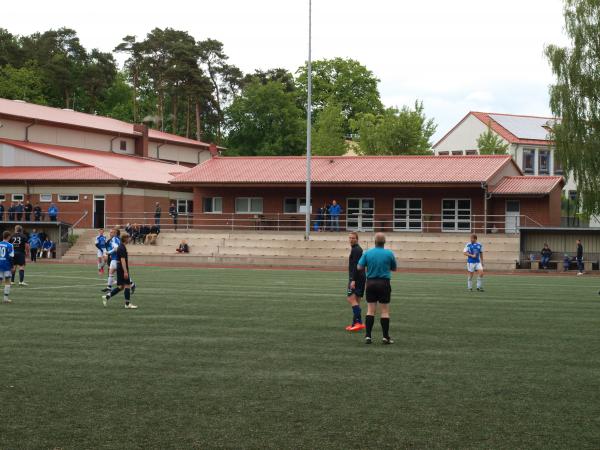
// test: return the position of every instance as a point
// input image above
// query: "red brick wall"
(543, 210)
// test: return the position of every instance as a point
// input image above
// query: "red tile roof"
(499, 129)
(125, 167)
(344, 170)
(30, 111)
(531, 185)
(55, 174)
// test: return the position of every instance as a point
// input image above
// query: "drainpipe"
(158, 150)
(111, 143)
(27, 131)
(486, 197)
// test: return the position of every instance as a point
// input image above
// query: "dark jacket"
(355, 254)
(579, 251)
(547, 252)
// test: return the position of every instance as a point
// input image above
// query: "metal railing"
(345, 222)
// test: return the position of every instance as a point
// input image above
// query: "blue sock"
(357, 314)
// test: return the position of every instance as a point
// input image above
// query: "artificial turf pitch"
(225, 358)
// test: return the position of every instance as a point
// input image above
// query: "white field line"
(28, 288)
(43, 275)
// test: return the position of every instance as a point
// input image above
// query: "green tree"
(489, 143)
(24, 83)
(575, 98)
(10, 49)
(265, 120)
(280, 75)
(343, 81)
(328, 132)
(395, 132)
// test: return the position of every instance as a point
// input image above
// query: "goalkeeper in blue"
(474, 253)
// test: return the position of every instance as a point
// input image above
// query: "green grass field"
(218, 358)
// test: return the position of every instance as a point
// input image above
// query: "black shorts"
(359, 287)
(121, 280)
(19, 259)
(379, 290)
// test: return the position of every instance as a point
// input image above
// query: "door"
(512, 216)
(98, 211)
(360, 214)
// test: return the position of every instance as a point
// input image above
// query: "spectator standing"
(37, 213)
(11, 212)
(19, 211)
(34, 244)
(546, 255)
(320, 222)
(157, 214)
(1, 212)
(53, 212)
(334, 212)
(28, 208)
(579, 258)
(173, 213)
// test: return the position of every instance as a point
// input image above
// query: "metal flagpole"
(308, 124)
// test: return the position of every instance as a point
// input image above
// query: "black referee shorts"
(121, 280)
(19, 259)
(379, 290)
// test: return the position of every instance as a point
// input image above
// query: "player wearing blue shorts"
(100, 245)
(7, 253)
(112, 246)
(474, 253)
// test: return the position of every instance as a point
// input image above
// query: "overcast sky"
(455, 55)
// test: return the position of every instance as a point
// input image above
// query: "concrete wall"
(11, 156)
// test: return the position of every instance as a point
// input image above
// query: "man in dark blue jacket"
(334, 212)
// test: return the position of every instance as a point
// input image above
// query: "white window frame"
(249, 204)
(2, 197)
(45, 201)
(214, 210)
(186, 206)
(456, 219)
(408, 209)
(18, 197)
(299, 204)
(61, 198)
(533, 151)
(121, 142)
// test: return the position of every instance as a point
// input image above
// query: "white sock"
(479, 282)
(470, 283)
(6, 291)
(109, 283)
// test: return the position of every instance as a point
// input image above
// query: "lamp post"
(308, 124)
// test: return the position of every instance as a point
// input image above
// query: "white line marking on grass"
(43, 275)
(62, 287)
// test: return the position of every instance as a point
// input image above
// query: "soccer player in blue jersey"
(100, 244)
(7, 253)
(113, 245)
(474, 253)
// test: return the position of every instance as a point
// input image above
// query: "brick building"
(404, 193)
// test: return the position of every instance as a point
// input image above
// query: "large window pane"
(544, 162)
(241, 205)
(528, 161)
(256, 205)
(290, 205)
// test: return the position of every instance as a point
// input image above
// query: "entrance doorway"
(360, 214)
(512, 216)
(99, 211)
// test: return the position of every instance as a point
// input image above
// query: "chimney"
(141, 142)
(212, 148)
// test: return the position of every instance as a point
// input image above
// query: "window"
(457, 153)
(471, 152)
(45, 197)
(123, 145)
(543, 162)
(407, 214)
(185, 206)
(68, 197)
(456, 215)
(18, 197)
(213, 205)
(294, 205)
(558, 168)
(249, 205)
(2, 197)
(443, 153)
(529, 161)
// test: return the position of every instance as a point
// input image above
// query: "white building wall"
(179, 153)
(463, 137)
(11, 156)
(12, 129)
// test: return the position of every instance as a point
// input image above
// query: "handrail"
(78, 221)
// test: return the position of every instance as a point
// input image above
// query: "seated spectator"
(566, 262)
(546, 255)
(153, 235)
(144, 231)
(48, 248)
(183, 248)
(135, 233)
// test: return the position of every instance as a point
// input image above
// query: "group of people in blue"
(328, 217)
(19, 211)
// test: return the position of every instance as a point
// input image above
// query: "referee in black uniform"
(21, 246)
